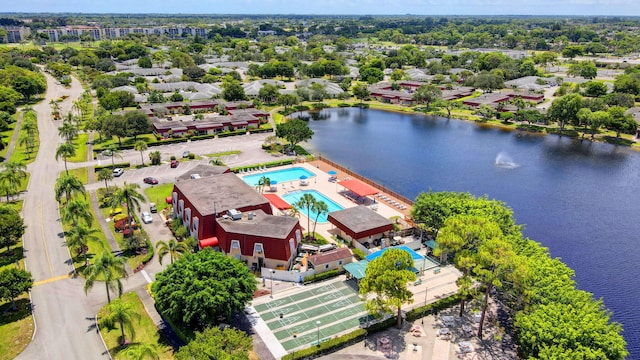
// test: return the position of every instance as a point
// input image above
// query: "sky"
(332, 7)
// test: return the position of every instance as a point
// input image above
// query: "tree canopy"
(213, 343)
(204, 288)
(294, 131)
(11, 227)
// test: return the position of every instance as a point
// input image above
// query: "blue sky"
(369, 7)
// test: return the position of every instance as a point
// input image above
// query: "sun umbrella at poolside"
(332, 172)
(303, 177)
(273, 182)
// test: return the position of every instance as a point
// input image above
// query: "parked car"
(185, 154)
(146, 217)
(107, 152)
(150, 180)
(117, 172)
(153, 208)
(174, 163)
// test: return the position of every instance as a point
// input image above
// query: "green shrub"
(203, 137)
(505, 116)
(329, 346)
(116, 165)
(192, 156)
(319, 106)
(359, 254)
(173, 157)
(344, 105)
(323, 276)
(231, 133)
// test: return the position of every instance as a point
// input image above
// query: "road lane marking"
(44, 241)
(49, 280)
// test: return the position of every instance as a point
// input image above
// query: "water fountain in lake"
(504, 161)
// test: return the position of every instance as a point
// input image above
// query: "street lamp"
(293, 352)
(272, 272)
(318, 324)
(425, 301)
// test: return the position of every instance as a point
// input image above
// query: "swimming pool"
(280, 176)
(294, 196)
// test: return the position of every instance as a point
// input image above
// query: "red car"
(174, 163)
(150, 180)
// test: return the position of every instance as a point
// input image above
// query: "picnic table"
(465, 347)
(448, 321)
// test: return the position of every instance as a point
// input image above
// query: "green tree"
(77, 212)
(136, 123)
(11, 227)
(287, 100)
(141, 146)
(127, 194)
(13, 283)
(306, 202)
(387, 276)
(232, 90)
(11, 176)
(425, 94)
(620, 121)
(155, 157)
(145, 62)
(201, 288)
(107, 268)
(320, 208)
(142, 351)
(79, 237)
(268, 93)
(595, 89)
(565, 109)
(571, 51)
(486, 112)
(65, 150)
(28, 86)
(123, 314)
(68, 185)
(174, 248)
(361, 92)
(294, 131)
(68, 131)
(106, 175)
(214, 343)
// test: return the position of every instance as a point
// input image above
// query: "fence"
(367, 181)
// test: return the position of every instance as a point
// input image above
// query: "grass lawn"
(145, 331)
(158, 193)
(80, 144)
(16, 328)
(81, 174)
(132, 259)
(6, 138)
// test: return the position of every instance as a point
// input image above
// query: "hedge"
(329, 346)
(359, 254)
(232, 133)
(116, 165)
(323, 276)
(149, 254)
(258, 130)
(268, 165)
(203, 137)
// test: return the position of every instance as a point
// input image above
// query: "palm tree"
(65, 151)
(79, 236)
(106, 175)
(141, 351)
(128, 195)
(107, 268)
(155, 157)
(75, 212)
(320, 208)
(68, 131)
(216, 161)
(11, 176)
(306, 203)
(115, 152)
(294, 212)
(141, 146)
(28, 142)
(68, 185)
(123, 314)
(174, 248)
(264, 181)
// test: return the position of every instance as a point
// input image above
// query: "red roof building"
(360, 224)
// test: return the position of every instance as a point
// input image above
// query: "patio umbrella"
(273, 182)
(303, 177)
(332, 172)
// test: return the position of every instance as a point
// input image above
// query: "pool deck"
(321, 182)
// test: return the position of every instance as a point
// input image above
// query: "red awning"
(168, 200)
(277, 201)
(358, 187)
(208, 242)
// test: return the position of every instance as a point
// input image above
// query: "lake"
(575, 197)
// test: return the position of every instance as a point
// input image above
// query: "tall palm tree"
(141, 351)
(115, 152)
(68, 131)
(320, 208)
(123, 314)
(106, 175)
(107, 268)
(65, 151)
(28, 142)
(76, 212)
(79, 236)
(141, 146)
(68, 185)
(174, 248)
(294, 212)
(128, 195)
(155, 157)
(306, 203)
(12, 174)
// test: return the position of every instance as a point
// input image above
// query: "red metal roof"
(358, 187)
(277, 201)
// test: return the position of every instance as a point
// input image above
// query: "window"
(235, 245)
(257, 248)
(340, 262)
(326, 266)
(292, 246)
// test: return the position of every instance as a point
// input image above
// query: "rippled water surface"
(579, 199)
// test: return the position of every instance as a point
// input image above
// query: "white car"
(117, 172)
(146, 217)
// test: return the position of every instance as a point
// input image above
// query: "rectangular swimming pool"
(280, 176)
(294, 196)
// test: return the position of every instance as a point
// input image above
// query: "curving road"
(63, 314)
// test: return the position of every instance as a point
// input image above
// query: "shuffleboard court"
(319, 313)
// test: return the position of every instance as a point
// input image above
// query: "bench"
(436, 270)
(417, 282)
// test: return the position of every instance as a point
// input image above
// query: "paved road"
(62, 313)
